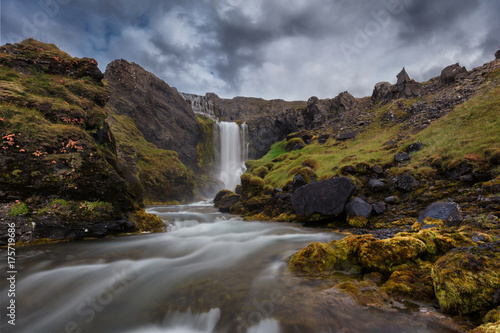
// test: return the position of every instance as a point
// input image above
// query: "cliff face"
(158, 110)
(57, 149)
(268, 121)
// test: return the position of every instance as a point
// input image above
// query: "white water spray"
(232, 141)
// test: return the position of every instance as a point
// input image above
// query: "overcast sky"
(289, 49)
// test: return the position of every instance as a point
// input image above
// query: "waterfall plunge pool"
(211, 272)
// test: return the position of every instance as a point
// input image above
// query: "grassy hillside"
(471, 133)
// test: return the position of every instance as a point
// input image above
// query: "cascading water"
(232, 142)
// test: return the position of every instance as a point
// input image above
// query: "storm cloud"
(266, 48)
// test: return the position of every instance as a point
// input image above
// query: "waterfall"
(232, 143)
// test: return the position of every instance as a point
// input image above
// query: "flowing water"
(209, 273)
(232, 149)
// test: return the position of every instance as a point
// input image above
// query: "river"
(210, 272)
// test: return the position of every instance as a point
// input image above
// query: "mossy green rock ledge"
(467, 279)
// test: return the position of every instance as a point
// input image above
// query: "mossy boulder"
(294, 144)
(261, 171)
(467, 279)
(386, 255)
(324, 259)
(251, 185)
(410, 284)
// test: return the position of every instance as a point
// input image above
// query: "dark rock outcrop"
(400, 157)
(327, 197)
(450, 73)
(382, 91)
(449, 212)
(408, 87)
(346, 135)
(376, 185)
(358, 211)
(406, 182)
(497, 54)
(416, 146)
(161, 114)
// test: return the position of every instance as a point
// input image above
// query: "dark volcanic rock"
(446, 211)
(408, 87)
(400, 157)
(358, 207)
(382, 91)
(406, 182)
(298, 181)
(376, 185)
(327, 197)
(497, 54)
(379, 207)
(159, 111)
(416, 146)
(347, 135)
(449, 74)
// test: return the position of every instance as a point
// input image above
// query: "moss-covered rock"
(467, 279)
(386, 255)
(320, 258)
(251, 185)
(410, 284)
(294, 144)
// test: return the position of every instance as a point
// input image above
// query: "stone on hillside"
(391, 199)
(447, 211)
(416, 146)
(497, 54)
(377, 169)
(381, 91)
(375, 185)
(358, 211)
(343, 102)
(347, 135)
(379, 207)
(406, 182)
(450, 73)
(327, 197)
(323, 138)
(400, 157)
(467, 279)
(406, 86)
(298, 181)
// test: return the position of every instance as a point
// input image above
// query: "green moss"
(261, 171)
(146, 222)
(294, 144)
(357, 221)
(386, 255)
(19, 208)
(251, 185)
(205, 147)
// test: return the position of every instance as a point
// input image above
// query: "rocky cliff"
(58, 162)
(160, 113)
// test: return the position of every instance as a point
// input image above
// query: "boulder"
(400, 157)
(467, 279)
(343, 102)
(385, 255)
(406, 182)
(327, 197)
(358, 211)
(416, 146)
(298, 181)
(450, 73)
(347, 135)
(218, 197)
(497, 54)
(228, 201)
(375, 185)
(379, 207)
(382, 91)
(407, 87)
(447, 211)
